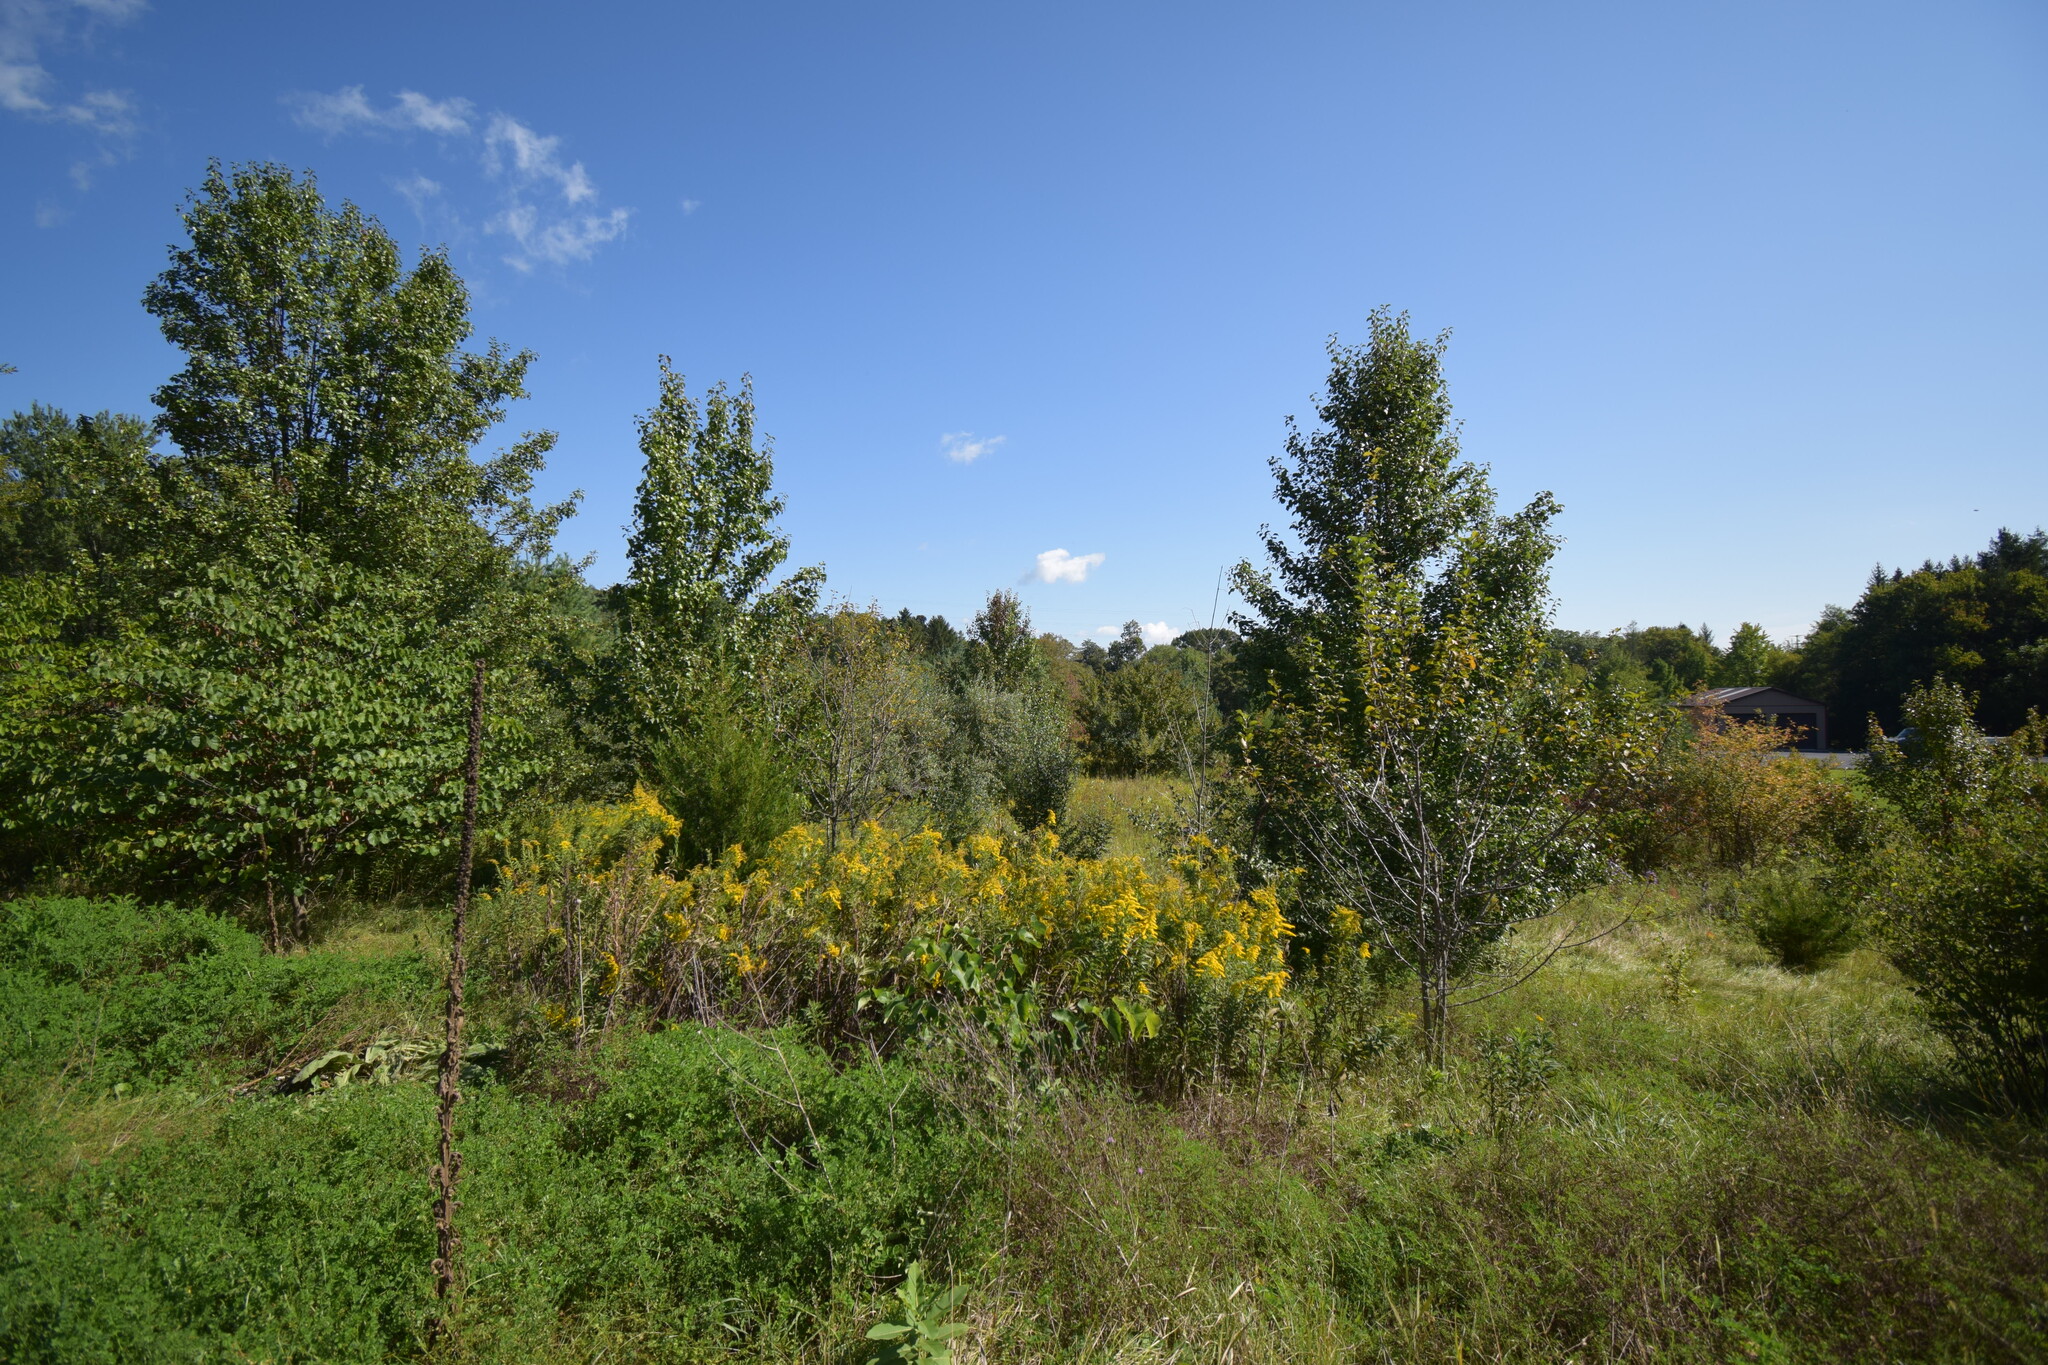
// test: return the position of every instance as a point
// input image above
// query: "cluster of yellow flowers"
(1093, 929)
(1101, 927)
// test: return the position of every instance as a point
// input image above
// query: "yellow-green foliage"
(1727, 795)
(891, 921)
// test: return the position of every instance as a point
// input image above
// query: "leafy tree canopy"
(700, 605)
(1981, 622)
(63, 480)
(325, 390)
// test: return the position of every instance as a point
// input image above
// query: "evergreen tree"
(1981, 622)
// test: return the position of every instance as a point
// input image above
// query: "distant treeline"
(1981, 622)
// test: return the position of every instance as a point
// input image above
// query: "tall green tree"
(68, 488)
(1423, 757)
(1751, 659)
(703, 612)
(1146, 716)
(231, 657)
(325, 392)
(849, 716)
(706, 625)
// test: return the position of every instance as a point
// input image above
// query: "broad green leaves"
(921, 1335)
(279, 721)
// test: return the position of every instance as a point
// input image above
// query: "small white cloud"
(1107, 630)
(114, 11)
(339, 112)
(417, 189)
(961, 447)
(1158, 633)
(21, 87)
(28, 89)
(49, 213)
(349, 110)
(104, 111)
(447, 117)
(1057, 566)
(559, 242)
(690, 206)
(533, 158)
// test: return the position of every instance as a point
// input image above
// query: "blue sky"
(1756, 289)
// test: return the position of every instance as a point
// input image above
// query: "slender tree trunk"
(449, 1169)
(1434, 978)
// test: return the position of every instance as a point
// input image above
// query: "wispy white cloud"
(1057, 566)
(559, 241)
(103, 111)
(349, 110)
(961, 447)
(532, 159)
(50, 213)
(21, 87)
(27, 87)
(116, 11)
(418, 191)
(448, 117)
(547, 205)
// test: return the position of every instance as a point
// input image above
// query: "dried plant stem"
(448, 1170)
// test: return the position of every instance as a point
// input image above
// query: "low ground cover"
(1666, 1147)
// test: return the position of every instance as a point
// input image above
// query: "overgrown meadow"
(1379, 975)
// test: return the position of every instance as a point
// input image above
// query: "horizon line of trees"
(1978, 621)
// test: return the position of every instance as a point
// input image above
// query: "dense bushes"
(1173, 972)
(1722, 794)
(1966, 921)
(1961, 894)
(115, 993)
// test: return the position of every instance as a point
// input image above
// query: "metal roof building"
(1769, 704)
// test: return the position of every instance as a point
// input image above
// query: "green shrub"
(1514, 1067)
(1963, 898)
(122, 993)
(723, 776)
(1796, 919)
(1965, 919)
